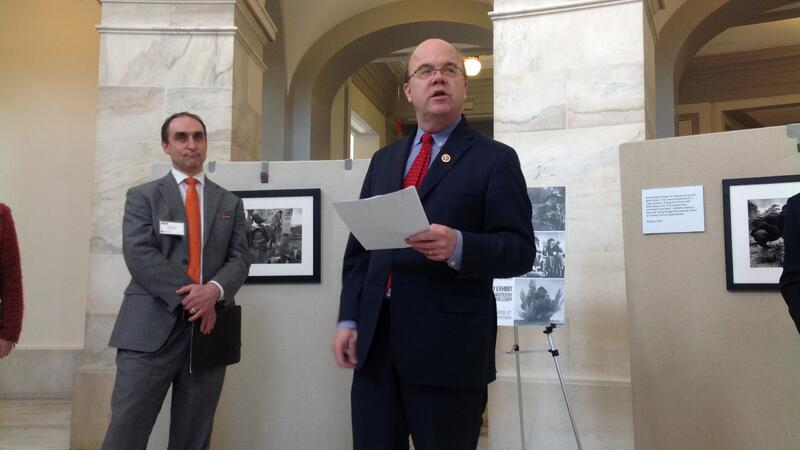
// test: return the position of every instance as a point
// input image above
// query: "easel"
(554, 352)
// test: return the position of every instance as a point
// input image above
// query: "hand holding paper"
(384, 221)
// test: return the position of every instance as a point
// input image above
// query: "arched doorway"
(689, 27)
(357, 41)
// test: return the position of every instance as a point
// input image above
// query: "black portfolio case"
(221, 347)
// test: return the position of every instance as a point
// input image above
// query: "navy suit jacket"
(443, 321)
(790, 279)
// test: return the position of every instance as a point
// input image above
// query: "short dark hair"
(165, 126)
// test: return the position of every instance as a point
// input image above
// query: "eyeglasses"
(426, 72)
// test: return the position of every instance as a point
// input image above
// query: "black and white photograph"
(550, 260)
(539, 302)
(549, 212)
(753, 210)
(275, 236)
(766, 231)
(283, 235)
(537, 297)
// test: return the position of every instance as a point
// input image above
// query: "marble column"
(569, 89)
(157, 58)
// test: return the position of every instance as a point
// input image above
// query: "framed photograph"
(754, 214)
(283, 233)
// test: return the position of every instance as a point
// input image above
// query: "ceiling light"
(473, 65)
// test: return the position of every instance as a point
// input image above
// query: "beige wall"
(337, 125)
(710, 369)
(48, 96)
(370, 113)
(361, 105)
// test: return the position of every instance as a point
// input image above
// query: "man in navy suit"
(419, 324)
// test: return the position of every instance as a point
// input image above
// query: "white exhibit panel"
(711, 368)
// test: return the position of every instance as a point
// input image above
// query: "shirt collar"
(439, 137)
(180, 176)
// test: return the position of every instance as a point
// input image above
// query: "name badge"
(173, 228)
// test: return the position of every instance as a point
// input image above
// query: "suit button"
(185, 262)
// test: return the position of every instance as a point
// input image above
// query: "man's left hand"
(200, 301)
(437, 244)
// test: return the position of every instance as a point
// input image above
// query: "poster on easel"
(537, 298)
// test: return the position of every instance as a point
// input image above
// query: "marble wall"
(157, 58)
(579, 66)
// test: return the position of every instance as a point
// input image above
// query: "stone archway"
(357, 41)
(687, 30)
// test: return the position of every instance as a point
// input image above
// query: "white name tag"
(173, 228)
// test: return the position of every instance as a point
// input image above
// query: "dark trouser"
(386, 408)
(141, 385)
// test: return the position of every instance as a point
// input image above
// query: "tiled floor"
(44, 425)
(34, 424)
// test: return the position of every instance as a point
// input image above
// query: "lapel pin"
(226, 216)
(445, 158)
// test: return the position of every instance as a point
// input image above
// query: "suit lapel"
(456, 146)
(172, 195)
(396, 165)
(169, 190)
(212, 194)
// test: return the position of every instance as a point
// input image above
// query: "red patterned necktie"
(417, 172)
(419, 168)
(193, 222)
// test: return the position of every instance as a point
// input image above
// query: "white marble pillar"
(158, 58)
(569, 88)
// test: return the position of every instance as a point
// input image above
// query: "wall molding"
(258, 18)
(555, 9)
(734, 76)
(650, 11)
(172, 2)
(621, 384)
(185, 30)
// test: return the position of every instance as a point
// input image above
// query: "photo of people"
(275, 235)
(548, 208)
(550, 261)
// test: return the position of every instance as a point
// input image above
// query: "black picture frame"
(752, 212)
(282, 247)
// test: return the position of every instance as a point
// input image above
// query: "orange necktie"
(193, 222)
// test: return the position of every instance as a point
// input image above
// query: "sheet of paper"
(384, 221)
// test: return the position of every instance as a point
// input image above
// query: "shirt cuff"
(351, 324)
(221, 291)
(454, 261)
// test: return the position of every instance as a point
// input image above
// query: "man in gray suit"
(183, 239)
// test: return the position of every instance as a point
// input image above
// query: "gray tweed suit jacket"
(157, 262)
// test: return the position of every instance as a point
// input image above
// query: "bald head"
(436, 85)
(433, 42)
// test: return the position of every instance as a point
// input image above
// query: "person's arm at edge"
(11, 295)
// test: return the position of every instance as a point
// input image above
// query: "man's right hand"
(344, 347)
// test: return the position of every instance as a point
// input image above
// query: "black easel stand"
(554, 352)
